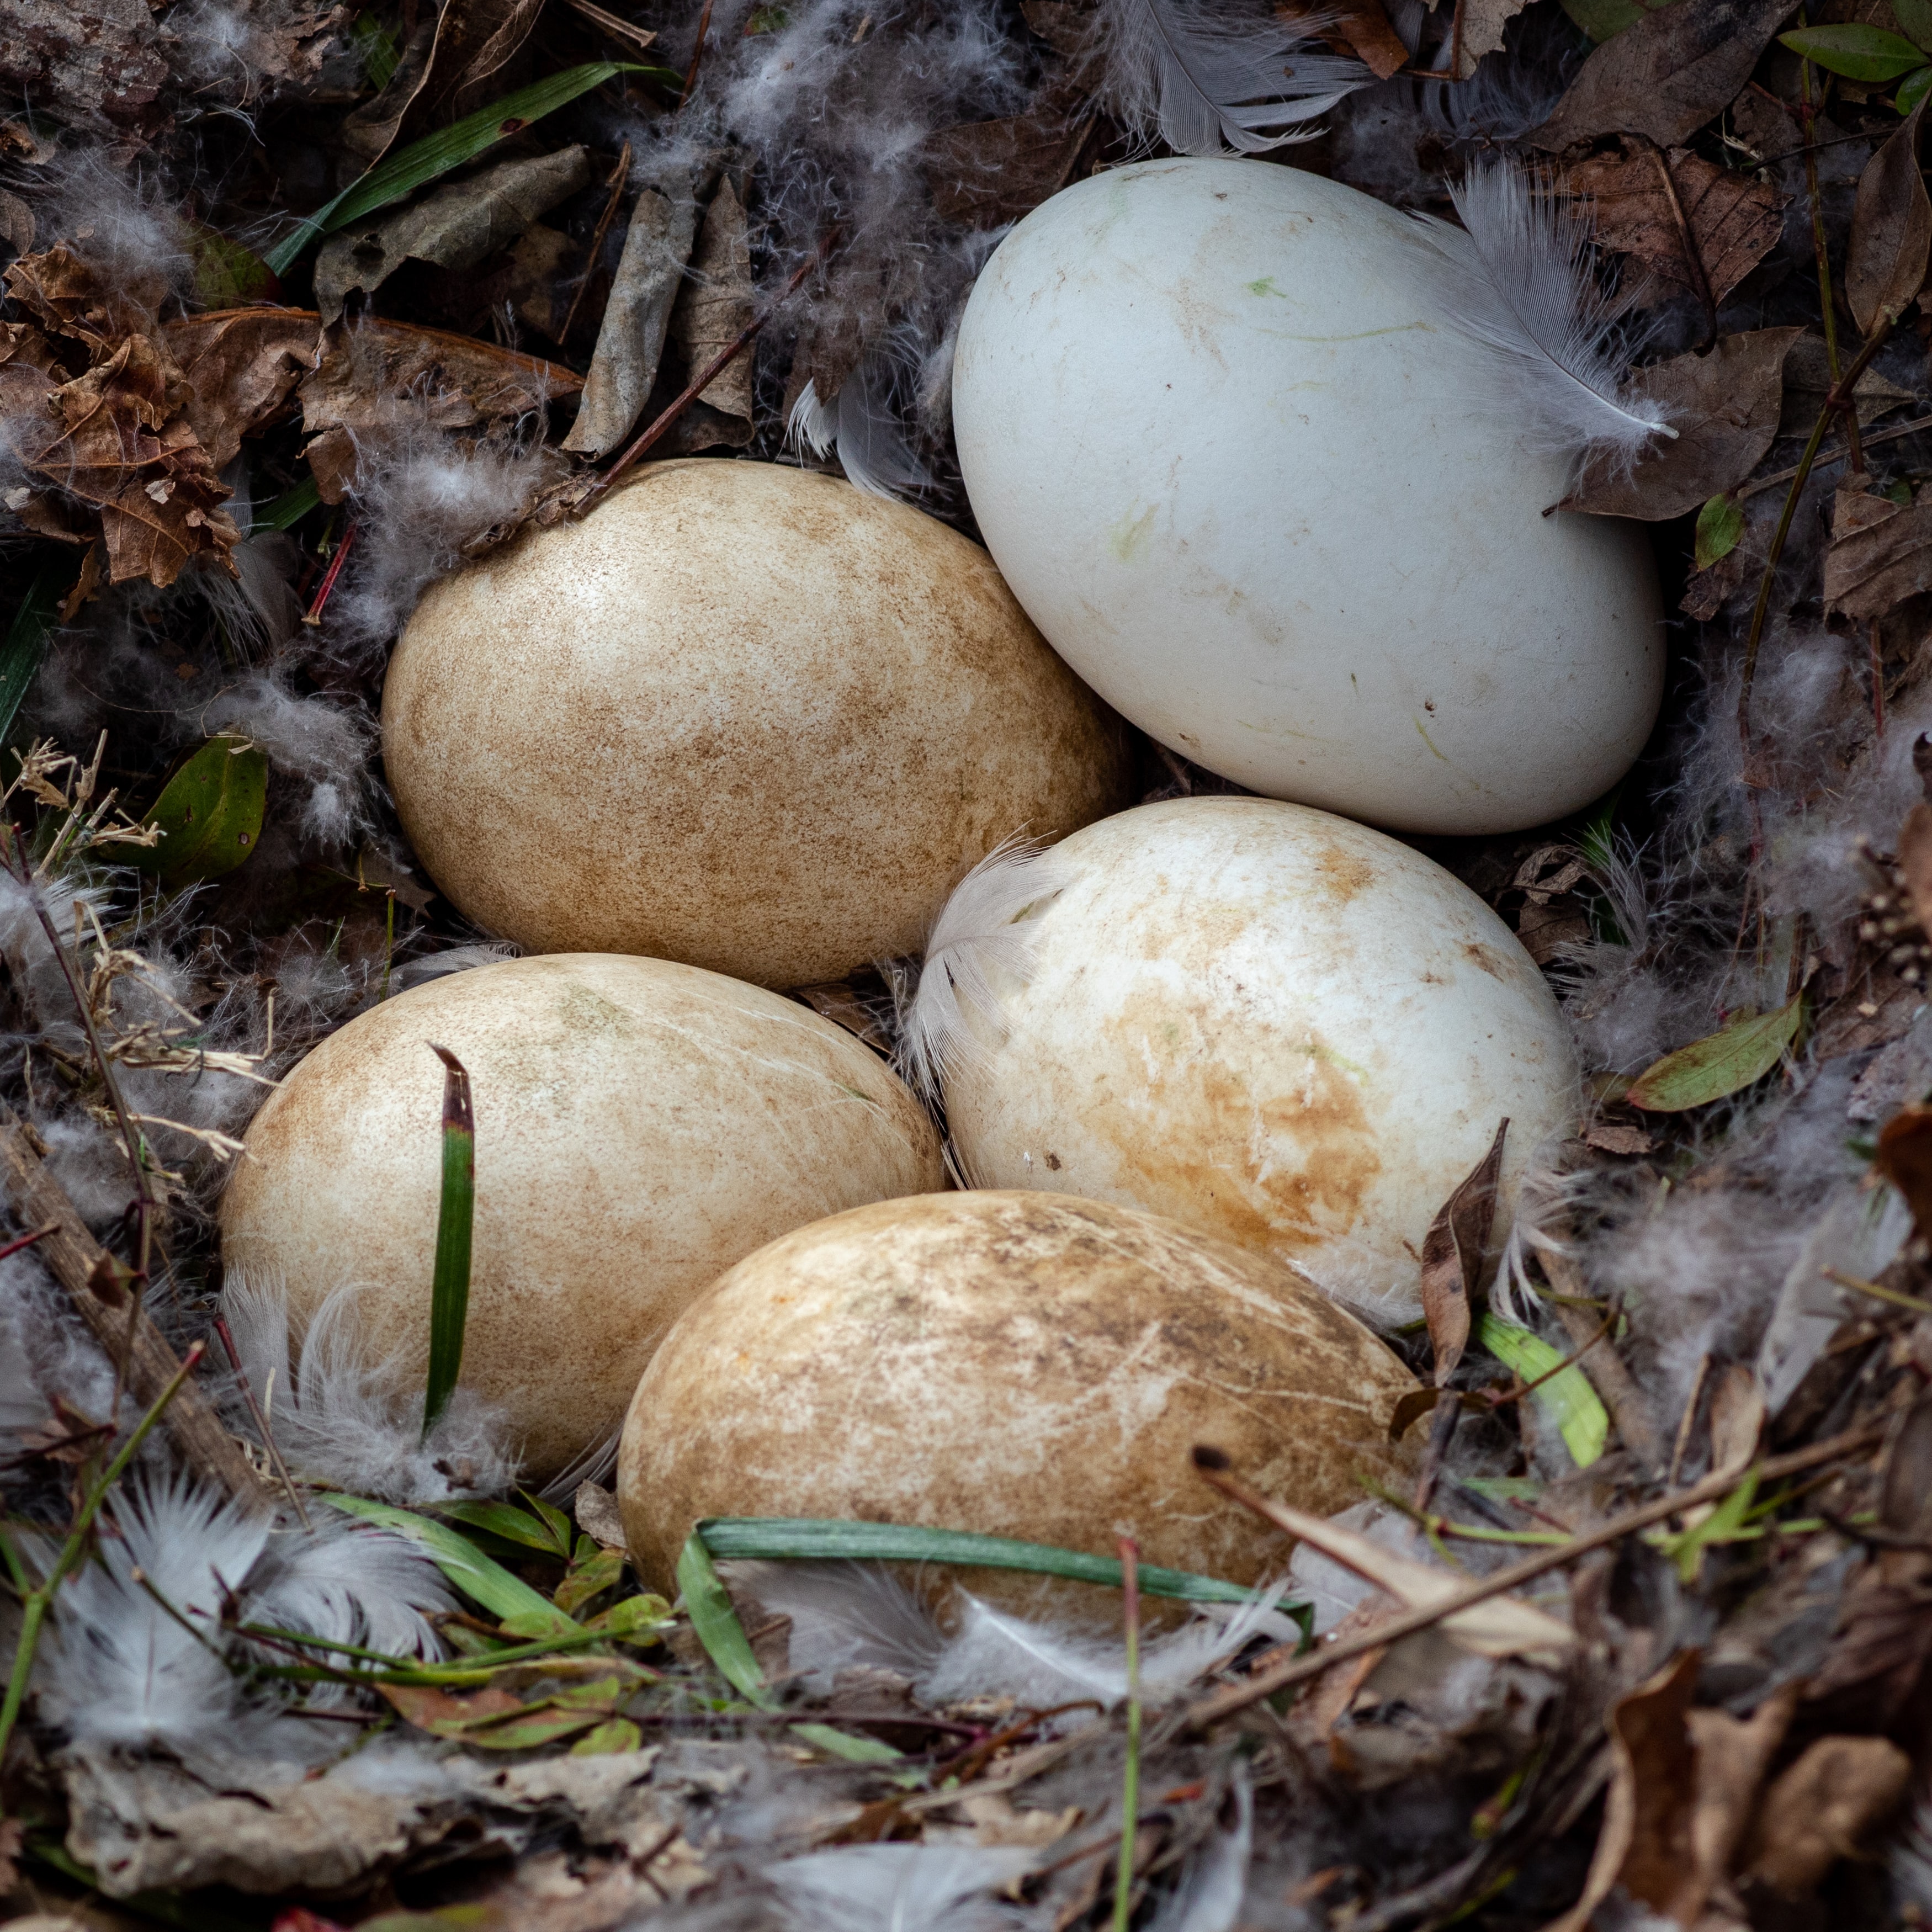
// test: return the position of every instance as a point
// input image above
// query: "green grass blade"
(708, 1604)
(422, 161)
(449, 1295)
(504, 1596)
(812, 1539)
(1567, 1398)
(289, 508)
(26, 641)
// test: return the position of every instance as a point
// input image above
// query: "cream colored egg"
(742, 715)
(1223, 444)
(640, 1126)
(1273, 1025)
(1021, 1365)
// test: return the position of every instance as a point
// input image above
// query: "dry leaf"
(1732, 1756)
(1361, 28)
(454, 226)
(242, 365)
(1905, 1503)
(984, 174)
(1699, 228)
(1615, 1137)
(712, 311)
(1892, 230)
(1826, 1807)
(1807, 381)
(1452, 1258)
(1667, 75)
(1724, 405)
(1480, 25)
(598, 1517)
(1880, 552)
(1905, 1159)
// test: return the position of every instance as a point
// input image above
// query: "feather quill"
(1519, 283)
(1205, 75)
(982, 933)
(899, 1888)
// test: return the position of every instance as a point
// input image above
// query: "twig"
(313, 614)
(1872, 1287)
(1130, 1778)
(1808, 115)
(705, 376)
(1264, 1684)
(74, 1256)
(697, 55)
(1834, 400)
(261, 1420)
(618, 175)
(639, 37)
(1687, 1422)
(38, 1600)
(1831, 456)
(1693, 257)
(1442, 1432)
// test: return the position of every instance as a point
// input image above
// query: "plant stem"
(39, 1600)
(1130, 1779)
(1807, 114)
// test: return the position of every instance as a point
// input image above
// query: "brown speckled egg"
(1021, 1364)
(741, 716)
(640, 1126)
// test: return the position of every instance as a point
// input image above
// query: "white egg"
(1265, 1022)
(1232, 457)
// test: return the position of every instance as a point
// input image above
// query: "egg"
(1021, 1365)
(742, 715)
(1277, 1026)
(640, 1126)
(1223, 443)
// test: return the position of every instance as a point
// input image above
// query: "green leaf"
(506, 1520)
(1723, 1063)
(604, 1571)
(378, 49)
(540, 1727)
(635, 1617)
(504, 1596)
(709, 1606)
(449, 1288)
(1604, 19)
(33, 623)
(1915, 16)
(422, 161)
(554, 1519)
(209, 813)
(227, 274)
(815, 1539)
(1721, 527)
(843, 1744)
(1567, 1398)
(289, 508)
(614, 1735)
(1913, 89)
(1858, 52)
(1729, 1522)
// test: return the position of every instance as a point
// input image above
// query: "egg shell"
(742, 715)
(640, 1126)
(1225, 447)
(1275, 1025)
(1021, 1365)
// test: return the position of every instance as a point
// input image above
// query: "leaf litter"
(256, 397)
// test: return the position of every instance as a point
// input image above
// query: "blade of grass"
(26, 641)
(449, 1294)
(815, 1539)
(289, 508)
(504, 1596)
(422, 161)
(1130, 1778)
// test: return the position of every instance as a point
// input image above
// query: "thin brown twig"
(261, 1420)
(619, 176)
(697, 56)
(1827, 458)
(1264, 1684)
(1687, 240)
(1808, 115)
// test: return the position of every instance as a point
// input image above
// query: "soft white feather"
(340, 1415)
(1208, 75)
(1208, 1899)
(899, 1888)
(1519, 280)
(351, 1583)
(861, 424)
(981, 937)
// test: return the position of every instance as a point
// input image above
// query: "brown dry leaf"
(1905, 1503)
(242, 364)
(1724, 405)
(712, 311)
(85, 62)
(13, 1842)
(537, 286)
(17, 223)
(1826, 1807)
(598, 1517)
(1880, 552)
(1807, 381)
(1699, 228)
(1452, 1257)
(1905, 1159)
(1480, 25)
(1892, 230)
(454, 226)
(984, 174)
(445, 1713)
(1737, 1419)
(65, 297)
(1667, 75)
(449, 381)
(1732, 1755)
(1361, 28)
(1645, 1841)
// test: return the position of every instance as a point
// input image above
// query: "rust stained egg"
(639, 1127)
(1275, 1025)
(1018, 1364)
(741, 716)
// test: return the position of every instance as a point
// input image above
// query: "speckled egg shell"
(1275, 1025)
(743, 716)
(1023, 1365)
(639, 1127)
(1223, 443)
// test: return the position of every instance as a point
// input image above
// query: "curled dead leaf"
(1892, 230)
(1880, 551)
(1452, 1257)
(1828, 1806)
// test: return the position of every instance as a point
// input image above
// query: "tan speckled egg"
(1273, 1025)
(640, 1126)
(1023, 1365)
(741, 716)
